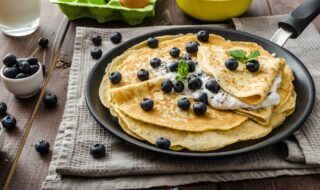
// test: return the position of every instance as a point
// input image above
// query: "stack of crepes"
(216, 128)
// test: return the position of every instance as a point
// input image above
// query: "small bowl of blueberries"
(22, 77)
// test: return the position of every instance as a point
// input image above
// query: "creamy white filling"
(221, 100)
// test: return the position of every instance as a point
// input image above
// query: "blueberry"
(199, 108)
(173, 67)
(213, 86)
(252, 66)
(147, 104)
(192, 66)
(186, 57)
(231, 64)
(42, 146)
(203, 36)
(9, 122)
(96, 53)
(25, 67)
(43, 42)
(3, 108)
(22, 75)
(50, 99)
(115, 77)
(155, 62)
(194, 83)
(178, 86)
(143, 75)
(184, 103)
(9, 60)
(97, 150)
(192, 47)
(166, 86)
(202, 97)
(174, 52)
(96, 40)
(115, 37)
(152, 42)
(191, 76)
(32, 61)
(163, 143)
(10, 72)
(33, 69)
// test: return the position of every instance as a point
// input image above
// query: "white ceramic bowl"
(25, 87)
(1, 136)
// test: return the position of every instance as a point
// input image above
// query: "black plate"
(303, 83)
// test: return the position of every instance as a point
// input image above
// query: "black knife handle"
(301, 17)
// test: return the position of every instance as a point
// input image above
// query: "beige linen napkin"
(126, 167)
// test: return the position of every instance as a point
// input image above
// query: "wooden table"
(21, 167)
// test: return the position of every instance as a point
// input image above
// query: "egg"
(134, 3)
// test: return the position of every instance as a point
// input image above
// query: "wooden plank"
(293, 183)
(22, 109)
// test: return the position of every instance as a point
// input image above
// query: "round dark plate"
(303, 84)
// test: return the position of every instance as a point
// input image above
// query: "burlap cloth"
(126, 167)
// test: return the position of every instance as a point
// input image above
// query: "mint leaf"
(253, 55)
(183, 70)
(239, 55)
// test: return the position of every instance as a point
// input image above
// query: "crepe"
(185, 130)
(166, 113)
(251, 88)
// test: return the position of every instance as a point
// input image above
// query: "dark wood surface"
(22, 168)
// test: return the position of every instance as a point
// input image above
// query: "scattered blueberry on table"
(97, 150)
(147, 104)
(3, 108)
(115, 37)
(96, 40)
(96, 53)
(166, 86)
(184, 103)
(43, 42)
(42, 146)
(203, 36)
(9, 122)
(115, 77)
(163, 143)
(143, 74)
(199, 108)
(152, 42)
(50, 99)
(177, 188)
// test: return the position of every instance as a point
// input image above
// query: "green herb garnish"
(241, 56)
(183, 70)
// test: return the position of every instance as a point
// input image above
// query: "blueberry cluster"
(19, 68)
(96, 52)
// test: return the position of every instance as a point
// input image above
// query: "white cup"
(24, 87)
